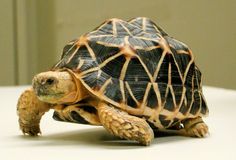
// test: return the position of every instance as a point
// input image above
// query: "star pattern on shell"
(138, 67)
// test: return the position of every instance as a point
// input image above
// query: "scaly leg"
(195, 127)
(30, 110)
(124, 125)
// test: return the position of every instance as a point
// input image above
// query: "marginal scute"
(163, 120)
(135, 66)
(204, 109)
(189, 76)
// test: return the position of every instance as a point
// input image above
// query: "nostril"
(50, 81)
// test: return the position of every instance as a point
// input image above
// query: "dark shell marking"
(137, 67)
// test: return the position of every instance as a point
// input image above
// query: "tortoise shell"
(137, 67)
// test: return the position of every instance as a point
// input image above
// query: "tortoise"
(129, 76)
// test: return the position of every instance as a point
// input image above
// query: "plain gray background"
(33, 32)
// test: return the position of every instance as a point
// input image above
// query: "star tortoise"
(129, 76)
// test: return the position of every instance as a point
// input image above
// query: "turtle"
(130, 77)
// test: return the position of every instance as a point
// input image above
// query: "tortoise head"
(58, 87)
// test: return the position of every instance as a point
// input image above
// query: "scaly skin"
(192, 127)
(30, 110)
(195, 127)
(124, 125)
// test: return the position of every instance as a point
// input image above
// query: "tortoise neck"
(81, 91)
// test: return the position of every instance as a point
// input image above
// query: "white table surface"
(74, 141)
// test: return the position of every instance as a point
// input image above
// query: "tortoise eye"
(50, 81)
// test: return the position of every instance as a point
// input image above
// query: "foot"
(124, 125)
(195, 127)
(30, 110)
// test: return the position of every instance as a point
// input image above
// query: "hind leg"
(195, 127)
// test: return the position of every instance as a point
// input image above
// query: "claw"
(199, 130)
(196, 133)
(203, 132)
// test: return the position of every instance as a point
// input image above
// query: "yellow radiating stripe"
(81, 62)
(143, 104)
(105, 85)
(169, 74)
(158, 31)
(105, 23)
(182, 52)
(187, 69)
(100, 36)
(122, 89)
(159, 106)
(127, 30)
(114, 28)
(177, 66)
(131, 93)
(147, 39)
(146, 69)
(124, 68)
(75, 42)
(56, 65)
(173, 96)
(200, 107)
(158, 95)
(69, 59)
(92, 54)
(88, 71)
(191, 104)
(144, 24)
(108, 44)
(163, 103)
(147, 49)
(159, 65)
(110, 59)
(188, 66)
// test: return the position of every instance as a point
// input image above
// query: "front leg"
(30, 110)
(124, 125)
